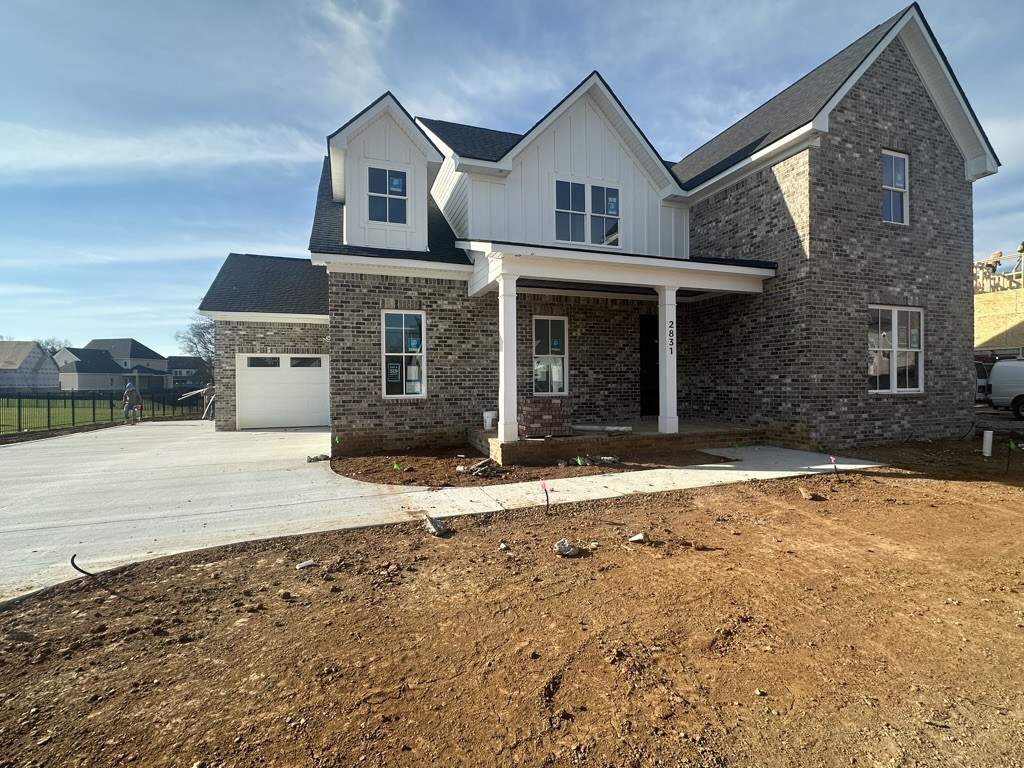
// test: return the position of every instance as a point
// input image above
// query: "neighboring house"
(25, 366)
(188, 372)
(999, 306)
(571, 272)
(140, 364)
(89, 370)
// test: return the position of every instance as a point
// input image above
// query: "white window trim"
(384, 355)
(905, 190)
(408, 196)
(893, 390)
(564, 356)
(587, 213)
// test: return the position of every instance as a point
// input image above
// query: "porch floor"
(643, 441)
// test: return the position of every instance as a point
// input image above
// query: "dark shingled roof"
(125, 348)
(91, 361)
(328, 216)
(327, 235)
(251, 283)
(794, 107)
(471, 142)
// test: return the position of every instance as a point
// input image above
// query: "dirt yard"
(868, 619)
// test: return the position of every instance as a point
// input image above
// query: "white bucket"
(489, 419)
(986, 443)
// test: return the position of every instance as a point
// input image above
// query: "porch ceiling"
(543, 268)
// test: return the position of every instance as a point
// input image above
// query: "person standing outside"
(131, 399)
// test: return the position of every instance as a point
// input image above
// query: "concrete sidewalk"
(120, 495)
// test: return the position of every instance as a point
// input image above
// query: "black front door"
(649, 365)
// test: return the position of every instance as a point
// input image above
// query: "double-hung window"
(403, 353)
(572, 213)
(894, 187)
(387, 195)
(550, 356)
(895, 349)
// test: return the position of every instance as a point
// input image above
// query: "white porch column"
(508, 416)
(668, 343)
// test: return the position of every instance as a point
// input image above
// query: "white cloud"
(27, 151)
(22, 290)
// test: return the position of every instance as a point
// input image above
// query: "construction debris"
(321, 457)
(434, 527)
(811, 496)
(503, 546)
(565, 548)
(591, 461)
(640, 538)
(305, 564)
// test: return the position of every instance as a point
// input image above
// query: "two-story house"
(571, 271)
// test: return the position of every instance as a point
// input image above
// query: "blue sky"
(142, 141)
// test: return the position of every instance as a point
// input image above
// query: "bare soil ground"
(881, 624)
(453, 468)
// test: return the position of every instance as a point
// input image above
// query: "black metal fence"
(41, 411)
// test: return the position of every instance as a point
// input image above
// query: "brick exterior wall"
(462, 360)
(797, 354)
(233, 337)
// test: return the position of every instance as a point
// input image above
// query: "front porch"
(641, 355)
(644, 441)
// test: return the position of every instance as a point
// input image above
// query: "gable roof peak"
(811, 98)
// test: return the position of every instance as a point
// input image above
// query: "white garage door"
(281, 391)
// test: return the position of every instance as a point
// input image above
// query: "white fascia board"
(371, 265)
(445, 149)
(485, 167)
(612, 269)
(688, 276)
(610, 259)
(266, 317)
(791, 144)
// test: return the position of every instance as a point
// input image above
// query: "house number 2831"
(671, 337)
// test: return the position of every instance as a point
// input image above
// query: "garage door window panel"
(404, 354)
(263, 362)
(306, 362)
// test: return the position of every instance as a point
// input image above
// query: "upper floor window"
(894, 187)
(571, 213)
(387, 199)
(895, 349)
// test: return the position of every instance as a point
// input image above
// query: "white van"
(1006, 386)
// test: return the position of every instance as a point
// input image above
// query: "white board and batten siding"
(282, 396)
(385, 144)
(451, 192)
(581, 147)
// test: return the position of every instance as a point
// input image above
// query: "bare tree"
(197, 341)
(53, 344)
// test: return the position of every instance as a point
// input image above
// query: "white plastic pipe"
(986, 443)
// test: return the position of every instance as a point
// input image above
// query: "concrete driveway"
(120, 495)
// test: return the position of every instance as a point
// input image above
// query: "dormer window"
(572, 213)
(387, 196)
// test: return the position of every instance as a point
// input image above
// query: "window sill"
(550, 394)
(587, 246)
